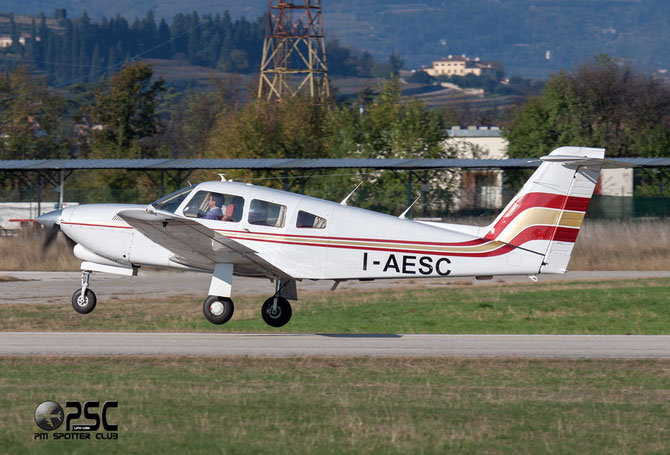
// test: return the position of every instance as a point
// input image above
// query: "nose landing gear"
(84, 300)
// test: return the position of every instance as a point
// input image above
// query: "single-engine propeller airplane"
(229, 228)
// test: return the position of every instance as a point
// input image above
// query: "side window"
(215, 206)
(265, 213)
(307, 220)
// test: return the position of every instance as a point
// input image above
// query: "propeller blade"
(50, 237)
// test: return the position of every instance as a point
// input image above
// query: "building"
(478, 189)
(484, 189)
(461, 65)
(6, 40)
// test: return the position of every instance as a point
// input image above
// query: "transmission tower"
(294, 51)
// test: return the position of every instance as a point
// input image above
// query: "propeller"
(51, 221)
(51, 236)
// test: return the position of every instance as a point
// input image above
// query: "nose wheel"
(83, 303)
(84, 300)
(276, 311)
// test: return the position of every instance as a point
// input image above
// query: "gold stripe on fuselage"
(485, 247)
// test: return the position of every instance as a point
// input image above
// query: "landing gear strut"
(84, 300)
(276, 310)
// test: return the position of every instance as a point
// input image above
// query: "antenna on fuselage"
(403, 214)
(223, 177)
(344, 201)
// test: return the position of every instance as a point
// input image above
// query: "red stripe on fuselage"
(97, 225)
(500, 250)
(474, 242)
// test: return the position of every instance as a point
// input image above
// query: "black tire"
(281, 317)
(215, 313)
(87, 304)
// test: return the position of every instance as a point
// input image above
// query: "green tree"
(263, 129)
(32, 118)
(603, 103)
(391, 127)
(124, 114)
(195, 118)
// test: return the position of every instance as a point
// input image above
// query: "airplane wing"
(196, 245)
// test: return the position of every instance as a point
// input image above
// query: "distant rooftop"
(475, 131)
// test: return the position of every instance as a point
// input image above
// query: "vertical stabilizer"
(545, 216)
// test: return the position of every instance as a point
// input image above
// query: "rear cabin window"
(310, 221)
(264, 213)
(210, 205)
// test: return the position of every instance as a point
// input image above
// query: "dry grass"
(601, 245)
(24, 252)
(611, 245)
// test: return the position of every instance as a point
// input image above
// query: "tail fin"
(545, 216)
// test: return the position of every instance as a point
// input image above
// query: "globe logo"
(48, 415)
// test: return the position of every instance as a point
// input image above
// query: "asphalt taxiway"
(349, 345)
(58, 287)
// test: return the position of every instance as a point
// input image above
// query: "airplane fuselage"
(351, 243)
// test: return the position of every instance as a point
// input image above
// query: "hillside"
(518, 33)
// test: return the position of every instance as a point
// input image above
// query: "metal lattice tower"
(294, 51)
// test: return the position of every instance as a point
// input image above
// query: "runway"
(324, 345)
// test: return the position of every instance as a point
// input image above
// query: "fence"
(601, 207)
(625, 208)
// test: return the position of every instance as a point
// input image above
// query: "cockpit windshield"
(172, 201)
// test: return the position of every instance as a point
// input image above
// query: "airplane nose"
(48, 220)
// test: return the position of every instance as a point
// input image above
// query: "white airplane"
(228, 228)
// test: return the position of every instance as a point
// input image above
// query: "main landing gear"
(83, 300)
(218, 310)
(276, 311)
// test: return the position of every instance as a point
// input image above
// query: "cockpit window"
(308, 220)
(265, 213)
(170, 202)
(215, 206)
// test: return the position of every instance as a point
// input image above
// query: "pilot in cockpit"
(214, 202)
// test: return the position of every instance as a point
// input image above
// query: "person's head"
(215, 200)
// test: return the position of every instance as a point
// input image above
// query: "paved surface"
(58, 287)
(273, 345)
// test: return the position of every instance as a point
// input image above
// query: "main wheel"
(280, 316)
(218, 310)
(83, 304)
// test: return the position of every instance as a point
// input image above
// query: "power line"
(123, 62)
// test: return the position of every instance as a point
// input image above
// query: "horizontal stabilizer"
(587, 161)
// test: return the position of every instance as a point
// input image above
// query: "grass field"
(346, 405)
(616, 307)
